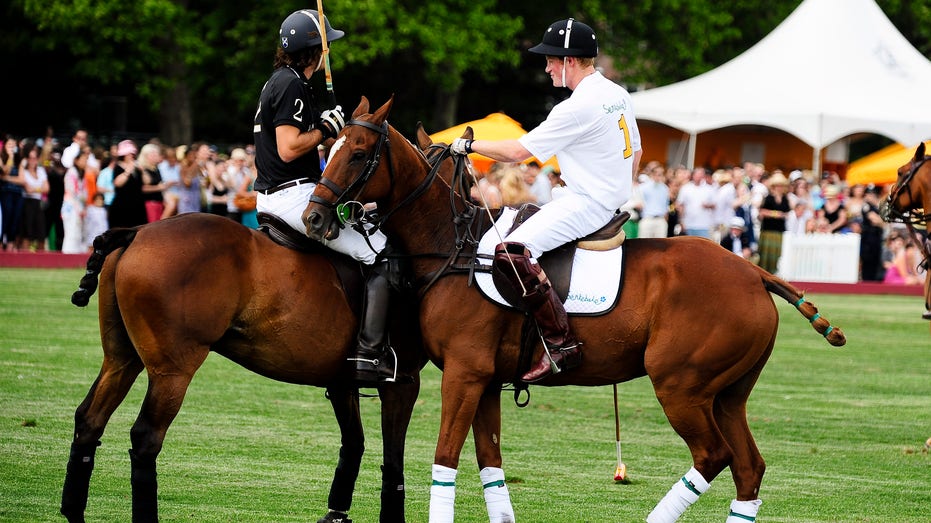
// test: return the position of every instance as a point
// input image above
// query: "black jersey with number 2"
(285, 100)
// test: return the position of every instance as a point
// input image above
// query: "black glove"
(332, 122)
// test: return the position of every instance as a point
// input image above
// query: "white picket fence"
(820, 257)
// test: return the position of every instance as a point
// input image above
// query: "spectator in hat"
(128, 206)
(773, 212)
(736, 239)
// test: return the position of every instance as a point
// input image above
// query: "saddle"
(557, 263)
(348, 270)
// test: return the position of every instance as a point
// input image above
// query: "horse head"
(372, 162)
(355, 159)
(912, 189)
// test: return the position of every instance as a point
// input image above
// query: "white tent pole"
(816, 162)
(693, 137)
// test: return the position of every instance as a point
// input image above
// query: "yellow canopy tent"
(880, 168)
(495, 126)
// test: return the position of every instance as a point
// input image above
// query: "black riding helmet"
(301, 30)
(568, 38)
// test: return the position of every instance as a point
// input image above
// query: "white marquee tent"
(831, 69)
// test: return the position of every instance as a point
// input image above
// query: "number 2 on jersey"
(622, 124)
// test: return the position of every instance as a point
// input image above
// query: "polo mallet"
(326, 56)
(620, 472)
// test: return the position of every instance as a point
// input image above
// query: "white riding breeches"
(567, 217)
(289, 204)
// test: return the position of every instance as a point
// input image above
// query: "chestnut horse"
(909, 201)
(173, 291)
(695, 318)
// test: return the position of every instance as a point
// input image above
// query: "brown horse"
(909, 201)
(175, 290)
(695, 318)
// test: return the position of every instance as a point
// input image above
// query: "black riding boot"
(374, 360)
(564, 351)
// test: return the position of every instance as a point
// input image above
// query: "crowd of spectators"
(747, 209)
(59, 196)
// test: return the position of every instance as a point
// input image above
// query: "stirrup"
(371, 372)
(569, 361)
(569, 357)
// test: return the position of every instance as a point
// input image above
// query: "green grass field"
(842, 430)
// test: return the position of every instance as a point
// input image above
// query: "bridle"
(909, 217)
(906, 184)
(466, 220)
(351, 211)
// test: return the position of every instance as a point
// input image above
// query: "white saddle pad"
(595, 281)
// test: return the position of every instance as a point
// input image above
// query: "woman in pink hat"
(128, 207)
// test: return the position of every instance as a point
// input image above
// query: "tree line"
(185, 69)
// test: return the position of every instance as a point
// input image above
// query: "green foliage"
(841, 429)
(470, 52)
(119, 42)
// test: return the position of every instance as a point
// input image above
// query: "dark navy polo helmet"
(301, 30)
(567, 38)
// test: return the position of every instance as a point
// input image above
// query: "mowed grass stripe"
(842, 430)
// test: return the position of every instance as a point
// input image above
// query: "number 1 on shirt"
(622, 124)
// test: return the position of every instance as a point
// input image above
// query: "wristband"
(468, 146)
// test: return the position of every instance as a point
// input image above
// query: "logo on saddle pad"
(594, 284)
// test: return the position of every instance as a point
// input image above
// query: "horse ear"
(920, 153)
(468, 134)
(361, 109)
(382, 113)
(423, 139)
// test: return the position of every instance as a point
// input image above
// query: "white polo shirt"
(594, 136)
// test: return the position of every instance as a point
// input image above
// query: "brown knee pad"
(512, 281)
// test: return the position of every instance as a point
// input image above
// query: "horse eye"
(358, 156)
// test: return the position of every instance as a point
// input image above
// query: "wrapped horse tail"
(786, 291)
(104, 244)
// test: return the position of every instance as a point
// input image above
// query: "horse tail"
(786, 291)
(104, 244)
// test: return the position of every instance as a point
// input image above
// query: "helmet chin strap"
(564, 71)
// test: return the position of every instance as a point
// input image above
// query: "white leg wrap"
(442, 494)
(680, 497)
(744, 511)
(497, 498)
